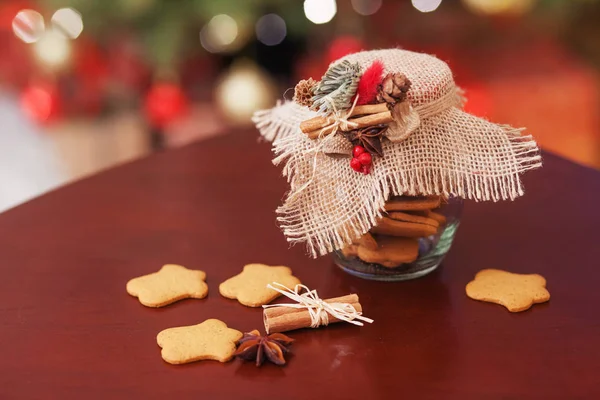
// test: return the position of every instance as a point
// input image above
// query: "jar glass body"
(431, 250)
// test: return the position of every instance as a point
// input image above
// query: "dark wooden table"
(69, 330)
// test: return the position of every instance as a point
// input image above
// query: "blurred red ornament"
(88, 98)
(16, 65)
(343, 46)
(91, 77)
(91, 63)
(41, 102)
(164, 103)
(126, 64)
(309, 67)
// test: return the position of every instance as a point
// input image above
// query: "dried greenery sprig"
(336, 88)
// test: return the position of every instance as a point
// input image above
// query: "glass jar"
(428, 251)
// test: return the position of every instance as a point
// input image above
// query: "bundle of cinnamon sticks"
(283, 319)
(360, 117)
(395, 238)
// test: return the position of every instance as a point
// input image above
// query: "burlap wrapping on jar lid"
(450, 153)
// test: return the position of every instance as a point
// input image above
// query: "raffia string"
(317, 308)
(339, 121)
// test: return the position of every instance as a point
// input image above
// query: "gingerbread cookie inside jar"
(380, 155)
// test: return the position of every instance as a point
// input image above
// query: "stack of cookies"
(395, 239)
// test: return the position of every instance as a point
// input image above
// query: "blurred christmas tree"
(169, 30)
(174, 51)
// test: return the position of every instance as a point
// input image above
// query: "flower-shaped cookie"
(170, 284)
(516, 292)
(250, 286)
(210, 340)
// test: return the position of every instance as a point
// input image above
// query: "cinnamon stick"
(283, 319)
(320, 122)
(315, 123)
(361, 122)
(369, 109)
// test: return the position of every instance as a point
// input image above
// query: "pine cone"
(393, 89)
(303, 92)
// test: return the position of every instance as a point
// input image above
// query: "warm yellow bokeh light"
(244, 89)
(53, 49)
(498, 7)
(219, 33)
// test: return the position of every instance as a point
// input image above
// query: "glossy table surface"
(68, 329)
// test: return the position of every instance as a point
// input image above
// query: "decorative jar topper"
(386, 128)
(359, 105)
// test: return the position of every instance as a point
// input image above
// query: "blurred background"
(87, 84)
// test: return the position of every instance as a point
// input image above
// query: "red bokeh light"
(164, 103)
(343, 46)
(40, 102)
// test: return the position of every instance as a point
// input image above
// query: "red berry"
(356, 165)
(365, 169)
(358, 150)
(365, 159)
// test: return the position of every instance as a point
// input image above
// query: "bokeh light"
(427, 5)
(28, 25)
(496, 7)
(271, 29)
(165, 103)
(68, 21)
(244, 89)
(219, 33)
(366, 7)
(342, 46)
(38, 102)
(53, 49)
(320, 11)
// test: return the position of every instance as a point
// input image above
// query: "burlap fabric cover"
(451, 153)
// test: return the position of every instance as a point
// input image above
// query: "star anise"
(253, 346)
(368, 137)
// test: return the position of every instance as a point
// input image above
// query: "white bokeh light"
(219, 33)
(320, 11)
(244, 89)
(426, 5)
(366, 7)
(28, 25)
(271, 29)
(68, 21)
(53, 49)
